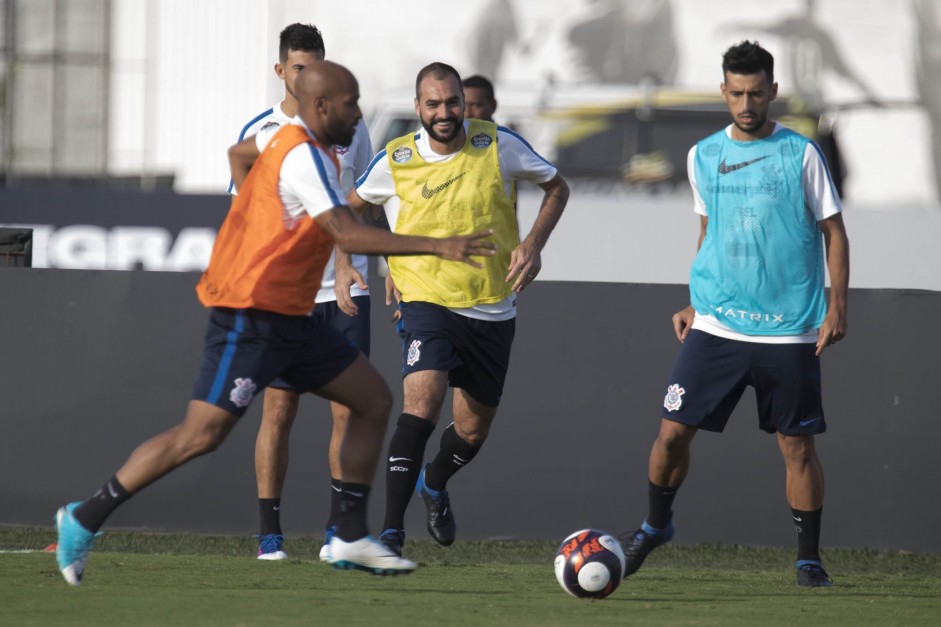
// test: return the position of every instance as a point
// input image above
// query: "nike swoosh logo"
(797, 519)
(400, 459)
(725, 169)
(276, 507)
(351, 493)
(428, 193)
(111, 491)
(807, 423)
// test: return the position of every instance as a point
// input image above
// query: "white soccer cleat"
(370, 555)
(328, 534)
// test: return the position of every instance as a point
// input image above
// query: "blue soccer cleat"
(73, 544)
(271, 547)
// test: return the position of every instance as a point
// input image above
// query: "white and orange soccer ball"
(589, 564)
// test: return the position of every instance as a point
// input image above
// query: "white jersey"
(353, 160)
(517, 160)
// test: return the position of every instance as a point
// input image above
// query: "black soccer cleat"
(638, 544)
(441, 523)
(810, 574)
(393, 539)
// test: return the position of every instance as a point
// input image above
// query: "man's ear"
(279, 70)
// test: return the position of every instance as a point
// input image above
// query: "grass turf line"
(144, 579)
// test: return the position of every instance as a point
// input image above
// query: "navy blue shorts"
(247, 349)
(355, 329)
(475, 353)
(710, 374)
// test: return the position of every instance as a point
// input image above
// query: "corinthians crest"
(413, 353)
(674, 398)
(241, 394)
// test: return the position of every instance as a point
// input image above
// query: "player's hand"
(393, 292)
(832, 330)
(683, 322)
(525, 264)
(346, 276)
(463, 247)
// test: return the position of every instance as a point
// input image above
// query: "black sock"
(406, 452)
(453, 455)
(336, 486)
(808, 534)
(269, 511)
(660, 505)
(351, 524)
(93, 512)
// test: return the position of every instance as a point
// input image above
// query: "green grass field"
(141, 579)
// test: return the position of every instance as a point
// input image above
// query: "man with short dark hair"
(770, 222)
(480, 103)
(457, 326)
(347, 310)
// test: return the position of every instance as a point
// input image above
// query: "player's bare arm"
(526, 259)
(242, 157)
(351, 236)
(833, 328)
(346, 275)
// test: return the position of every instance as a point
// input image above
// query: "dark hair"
(748, 58)
(480, 82)
(439, 71)
(304, 37)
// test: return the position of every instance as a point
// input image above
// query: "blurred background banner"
(115, 230)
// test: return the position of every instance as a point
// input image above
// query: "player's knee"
(474, 436)
(280, 407)
(378, 404)
(674, 441)
(195, 441)
(798, 449)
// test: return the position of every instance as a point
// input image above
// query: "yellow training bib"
(460, 196)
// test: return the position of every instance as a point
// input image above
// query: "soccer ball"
(589, 564)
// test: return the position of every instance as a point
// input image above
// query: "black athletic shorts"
(711, 373)
(247, 349)
(475, 353)
(355, 328)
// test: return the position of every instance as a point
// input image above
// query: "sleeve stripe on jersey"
(255, 119)
(504, 129)
(245, 128)
(379, 157)
(322, 172)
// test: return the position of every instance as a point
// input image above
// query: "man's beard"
(458, 125)
(340, 136)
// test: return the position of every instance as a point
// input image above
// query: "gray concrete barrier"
(94, 362)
